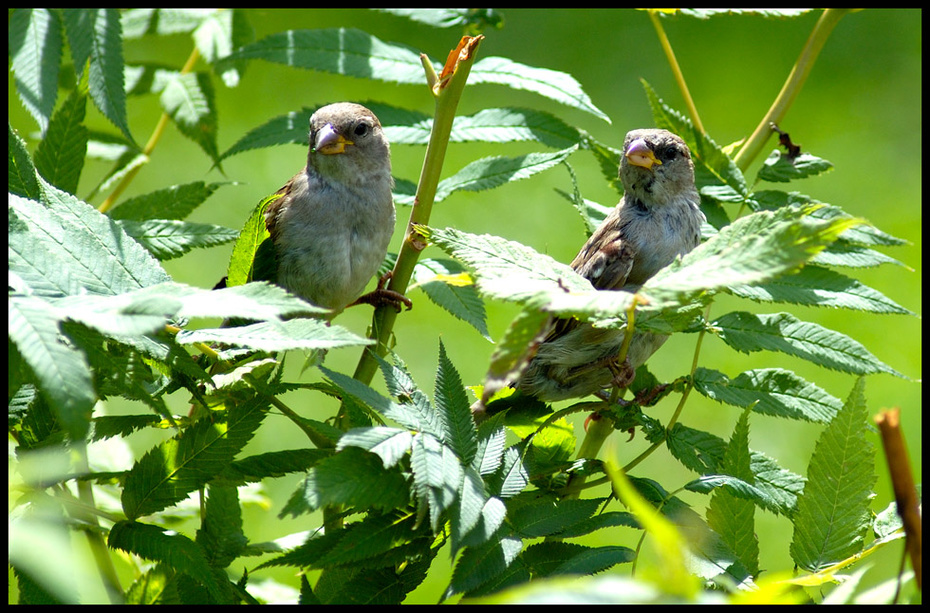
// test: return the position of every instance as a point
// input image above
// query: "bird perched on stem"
(657, 219)
(330, 227)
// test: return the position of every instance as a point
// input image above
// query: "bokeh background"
(860, 109)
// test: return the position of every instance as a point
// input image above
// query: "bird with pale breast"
(332, 222)
(657, 220)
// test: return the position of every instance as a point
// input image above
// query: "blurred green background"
(860, 109)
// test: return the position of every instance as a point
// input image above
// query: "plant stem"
(95, 540)
(676, 70)
(791, 88)
(107, 204)
(448, 93)
(447, 88)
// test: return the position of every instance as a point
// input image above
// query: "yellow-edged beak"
(640, 154)
(330, 142)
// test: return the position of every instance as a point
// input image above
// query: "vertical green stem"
(448, 91)
(448, 94)
(676, 70)
(791, 88)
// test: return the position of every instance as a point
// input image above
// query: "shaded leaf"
(35, 50)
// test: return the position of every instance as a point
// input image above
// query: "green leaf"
(171, 471)
(411, 416)
(106, 67)
(473, 502)
(68, 247)
(190, 102)
(833, 512)
(730, 514)
(353, 478)
(370, 538)
(79, 28)
(703, 453)
(451, 18)
(437, 475)
(273, 464)
(816, 286)
(491, 172)
(481, 564)
(553, 558)
(61, 371)
(221, 535)
(35, 50)
(60, 155)
(246, 250)
(507, 270)
(218, 34)
(752, 250)
(505, 125)
(697, 450)
(161, 545)
(547, 517)
(108, 426)
(512, 477)
(301, 333)
(552, 84)
(490, 454)
(402, 386)
(783, 332)
(452, 405)
(389, 444)
(291, 128)
(447, 285)
(168, 238)
(21, 174)
(842, 253)
(770, 391)
(345, 51)
(138, 22)
(175, 202)
(779, 168)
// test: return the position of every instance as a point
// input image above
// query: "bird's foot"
(381, 296)
(623, 373)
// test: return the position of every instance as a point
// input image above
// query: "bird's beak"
(330, 142)
(640, 154)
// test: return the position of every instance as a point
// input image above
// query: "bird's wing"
(606, 261)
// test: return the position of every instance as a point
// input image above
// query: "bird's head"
(655, 164)
(347, 139)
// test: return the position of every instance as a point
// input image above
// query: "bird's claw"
(381, 296)
(623, 373)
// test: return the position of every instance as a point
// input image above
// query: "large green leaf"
(552, 84)
(345, 51)
(771, 391)
(59, 157)
(784, 332)
(106, 82)
(171, 471)
(35, 49)
(834, 513)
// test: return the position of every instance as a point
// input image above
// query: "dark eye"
(667, 153)
(362, 129)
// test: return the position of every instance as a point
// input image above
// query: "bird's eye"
(668, 153)
(362, 129)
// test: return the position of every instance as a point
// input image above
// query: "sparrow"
(332, 222)
(657, 219)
